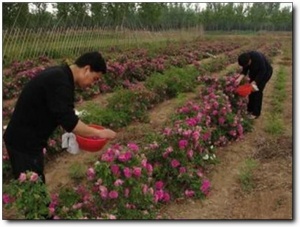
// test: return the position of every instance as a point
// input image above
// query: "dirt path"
(271, 197)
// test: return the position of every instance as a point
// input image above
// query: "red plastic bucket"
(244, 90)
(91, 144)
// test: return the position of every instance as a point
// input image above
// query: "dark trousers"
(22, 162)
(255, 98)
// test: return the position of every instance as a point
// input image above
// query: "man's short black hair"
(94, 60)
(244, 59)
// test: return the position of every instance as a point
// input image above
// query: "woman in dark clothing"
(256, 65)
(46, 102)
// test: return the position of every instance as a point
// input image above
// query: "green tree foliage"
(150, 15)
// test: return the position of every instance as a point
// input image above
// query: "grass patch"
(275, 123)
(77, 171)
(246, 174)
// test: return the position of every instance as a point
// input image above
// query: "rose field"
(185, 148)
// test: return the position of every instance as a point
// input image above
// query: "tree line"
(152, 16)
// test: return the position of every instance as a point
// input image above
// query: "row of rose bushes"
(134, 65)
(131, 104)
(222, 139)
(121, 75)
(132, 182)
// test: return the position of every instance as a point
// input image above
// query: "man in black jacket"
(46, 102)
(260, 71)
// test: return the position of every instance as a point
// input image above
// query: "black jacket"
(46, 102)
(260, 69)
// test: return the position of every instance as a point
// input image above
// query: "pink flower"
(126, 192)
(158, 195)
(133, 147)
(113, 195)
(107, 157)
(145, 188)
(127, 172)
(183, 144)
(167, 131)
(182, 170)
(240, 129)
(44, 151)
(137, 171)
(103, 191)
(199, 173)
(189, 193)
(151, 191)
(205, 188)
(115, 169)
(6, 198)
(190, 154)
(144, 163)
(91, 173)
(166, 197)
(175, 163)
(232, 133)
(112, 217)
(77, 206)
(159, 185)
(153, 146)
(51, 210)
(191, 122)
(34, 177)
(206, 136)
(149, 168)
(22, 177)
(221, 120)
(122, 157)
(118, 182)
(196, 135)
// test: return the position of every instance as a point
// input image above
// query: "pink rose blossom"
(137, 171)
(77, 206)
(166, 197)
(183, 144)
(6, 199)
(189, 193)
(133, 147)
(144, 163)
(149, 168)
(118, 182)
(115, 169)
(22, 177)
(159, 185)
(175, 163)
(167, 131)
(34, 177)
(190, 154)
(91, 173)
(113, 194)
(205, 188)
(127, 172)
(182, 170)
(145, 188)
(112, 217)
(103, 192)
(126, 192)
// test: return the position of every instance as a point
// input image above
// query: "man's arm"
(84, 130)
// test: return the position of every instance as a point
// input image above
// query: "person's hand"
(239, 79)
(107, 134)
(254, 86)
